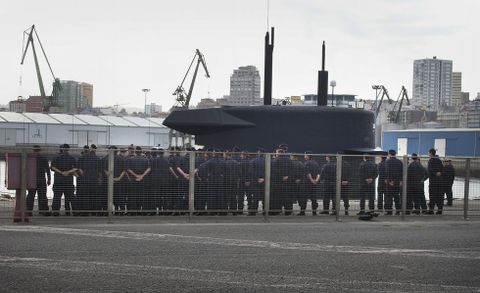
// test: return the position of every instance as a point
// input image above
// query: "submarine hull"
(302, 128)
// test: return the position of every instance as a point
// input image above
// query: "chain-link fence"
(133, 182)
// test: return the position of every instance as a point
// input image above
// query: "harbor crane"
(30, 35)
(381, 93)
(394, 115)
(183, 98)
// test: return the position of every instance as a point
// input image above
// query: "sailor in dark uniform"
(416, 175)
(328, 177)
(64, 167)
(257, 171)
(201, 181)
(368, 173)
(296, 182)
(232, 178)
(245, 188)
(393, 180)
(346, 183)
(82, 198)
(216, 169)
(183, 171)
(137, 167)
(435, 187)
(311, 185)
(42, 169)
(281, 169)
(448, 179)
(381, 186)
(160, 176)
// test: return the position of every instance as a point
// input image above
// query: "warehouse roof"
(80, 119)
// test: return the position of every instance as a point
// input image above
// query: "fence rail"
(81, 182)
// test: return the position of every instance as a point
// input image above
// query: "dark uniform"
(174, 194)
(381, 186)
(42, 169)
(328, 177)
(281, 171)
(346, 182)
(161, 182)
(232, 179)
(296, 183)
(257, 171)
(183, 166)
(201, 183)
(416, 176)
(435, 187)
(136, 166)
(91, 195)
(63, 184)
(216, 169)
(311, 186)
(394, 176)
(448, 179)
(367, 172)
(244, 188)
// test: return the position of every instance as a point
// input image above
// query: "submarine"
(319, 129)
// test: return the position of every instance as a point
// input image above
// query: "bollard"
(191, 186)
(404, 186)
(266, 203)
(466, 190)
(338, 188)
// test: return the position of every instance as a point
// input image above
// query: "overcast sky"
(123, 46)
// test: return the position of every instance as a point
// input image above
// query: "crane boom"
(52, 99)
(184, 98)
(395, 114)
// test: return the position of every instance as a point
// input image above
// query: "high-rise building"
(432, 83)
(456, 88)
(75, 96)
(245, 86)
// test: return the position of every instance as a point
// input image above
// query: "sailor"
(367, 172)
(137, 168)
(448, 179)
(64, 166)
(345, 184)
(245, 187)
(232, 179)
(382, 186)
(296, 183)
(216, 169)
(393, 180)
(42, 169)
(328, 177)
(201, 181)
(311, 185)
(281, 171)
(435, 187)
(257, 171)
(416, 175)
(183, 171)
(160, 180)
(82, 198)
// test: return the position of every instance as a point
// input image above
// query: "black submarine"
(319, 129)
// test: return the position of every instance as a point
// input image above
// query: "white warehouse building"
(78, 130)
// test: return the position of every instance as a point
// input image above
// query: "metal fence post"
(191, 186)
(23, 187)
(404, 186)
(111, 158)
(266, 203)
(466, 190)
(338, 188)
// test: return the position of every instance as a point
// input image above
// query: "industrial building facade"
(79, 130)
(447, 141)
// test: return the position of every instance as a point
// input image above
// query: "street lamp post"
(333, 84)
(146, 92)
